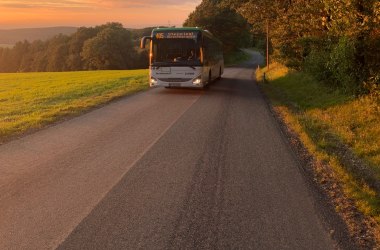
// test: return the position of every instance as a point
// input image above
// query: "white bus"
(184, 57)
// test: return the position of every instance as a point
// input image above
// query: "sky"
(131, 13)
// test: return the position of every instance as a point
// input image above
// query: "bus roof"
(179, 29)
(186, 29)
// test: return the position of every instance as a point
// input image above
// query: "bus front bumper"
(177, 83)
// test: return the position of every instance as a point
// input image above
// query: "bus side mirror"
(143, 41)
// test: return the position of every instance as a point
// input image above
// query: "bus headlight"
(197, 81)
(153, 81)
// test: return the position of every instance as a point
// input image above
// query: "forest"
(108, 46)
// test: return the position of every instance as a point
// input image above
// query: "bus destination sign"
(175, 35)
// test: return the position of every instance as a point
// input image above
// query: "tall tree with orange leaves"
(340, 35)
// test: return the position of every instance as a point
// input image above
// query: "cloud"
(44, 4)
(146, 3)
(91, 4)
(131, 13)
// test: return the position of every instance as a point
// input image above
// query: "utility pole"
(267, 44)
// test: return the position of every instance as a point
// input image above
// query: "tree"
(230, 27)
(358, 21)
(57, 53)
(292, 23)
(18, 52)
(38, 52)
(75, 47)
(5, 56)
(343, 31)
(111, 48)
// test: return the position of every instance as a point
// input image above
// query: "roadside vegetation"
(33, 100)
(325, 85)
(235, 57)
(336, 127)
(335, 41)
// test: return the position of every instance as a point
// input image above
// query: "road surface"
(163, 169)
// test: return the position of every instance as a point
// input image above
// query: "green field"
(32, 100)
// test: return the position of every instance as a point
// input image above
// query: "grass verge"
(33, 100)
(339, 130)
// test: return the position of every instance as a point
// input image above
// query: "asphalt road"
(163, 169)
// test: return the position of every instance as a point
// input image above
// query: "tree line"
(337, 41)
(108, 46)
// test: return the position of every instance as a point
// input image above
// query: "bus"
(183, 57)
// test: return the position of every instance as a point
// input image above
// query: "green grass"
(33, 100)
(325, 119)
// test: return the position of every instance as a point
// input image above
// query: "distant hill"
(15, 35)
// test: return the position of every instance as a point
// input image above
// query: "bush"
(317, 54)
(372, 59)
(341, 64)
(316, 64)
(335, 64)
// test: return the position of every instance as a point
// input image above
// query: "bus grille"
(174, 79)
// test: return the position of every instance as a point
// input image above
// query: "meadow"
(332, 125)
(30, 101)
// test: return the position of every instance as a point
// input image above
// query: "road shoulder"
(350, 228)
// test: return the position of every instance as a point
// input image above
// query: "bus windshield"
(176, 51)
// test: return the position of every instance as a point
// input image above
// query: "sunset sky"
(131, 13)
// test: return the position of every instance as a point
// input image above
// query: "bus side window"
(206, 51)
(154, 53)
